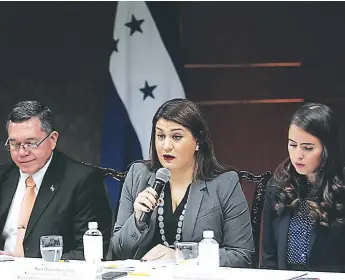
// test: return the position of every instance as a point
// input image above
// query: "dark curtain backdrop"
(58, 53)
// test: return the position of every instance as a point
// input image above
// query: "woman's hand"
(7, 253)
(146, 201)
(160, 252)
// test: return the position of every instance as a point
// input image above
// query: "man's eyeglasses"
(27, 146)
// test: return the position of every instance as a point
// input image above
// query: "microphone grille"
(163, 174)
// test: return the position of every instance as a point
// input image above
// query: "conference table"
(9, 271)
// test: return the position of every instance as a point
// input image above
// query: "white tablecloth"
(8, 272)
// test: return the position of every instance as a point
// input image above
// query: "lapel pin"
(52, 188)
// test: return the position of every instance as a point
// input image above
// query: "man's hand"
(160, 252)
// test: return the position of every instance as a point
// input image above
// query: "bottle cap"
(208, 234)
(93, 225)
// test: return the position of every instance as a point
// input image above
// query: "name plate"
(57, 271)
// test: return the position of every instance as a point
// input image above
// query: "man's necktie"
(24, 215)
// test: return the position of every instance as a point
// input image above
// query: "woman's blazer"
(326, 248)
(217, 205)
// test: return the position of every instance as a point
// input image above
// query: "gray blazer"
(217, 205)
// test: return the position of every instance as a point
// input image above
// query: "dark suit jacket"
(326, 249)
(217, 205)
(71, 195)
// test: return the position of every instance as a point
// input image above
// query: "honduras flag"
(144, 75)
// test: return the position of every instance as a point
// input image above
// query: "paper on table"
(6, 258)
(222, 273)
(127, 265)
(131, 265)
(159, 263)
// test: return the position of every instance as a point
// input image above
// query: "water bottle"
(208, 251)
(93, 244)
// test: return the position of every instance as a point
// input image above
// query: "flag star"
(115, 45)
(135, 25)
(147, 90)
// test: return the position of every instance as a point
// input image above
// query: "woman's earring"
(197, 147)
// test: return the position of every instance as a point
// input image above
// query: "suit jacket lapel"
(8, 187)
(193, 205)
(48, 189)
(147, 237)
(154, 213)
(312, 240)
(282, 240)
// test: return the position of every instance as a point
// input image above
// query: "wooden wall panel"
(249, 137)
(262, 83)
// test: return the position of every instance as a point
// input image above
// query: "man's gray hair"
(25, 110)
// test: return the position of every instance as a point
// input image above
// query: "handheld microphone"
(162, 177)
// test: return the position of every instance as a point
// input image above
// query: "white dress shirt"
(10, 228)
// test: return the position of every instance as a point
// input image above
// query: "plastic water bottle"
(208, 251)
(93, 244)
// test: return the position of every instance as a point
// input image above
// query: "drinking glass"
(186, 253)
(51, 247)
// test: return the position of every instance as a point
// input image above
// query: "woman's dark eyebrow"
(174, 129)
(302, 143)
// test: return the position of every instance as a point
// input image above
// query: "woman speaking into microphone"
(201, 194)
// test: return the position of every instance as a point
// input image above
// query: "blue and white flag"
(143, 77)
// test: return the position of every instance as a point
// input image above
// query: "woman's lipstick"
(168, 157)
(299, 165)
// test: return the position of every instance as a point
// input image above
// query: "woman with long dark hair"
(304, 214)
(200, 195)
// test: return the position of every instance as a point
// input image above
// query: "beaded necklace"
(161, 221)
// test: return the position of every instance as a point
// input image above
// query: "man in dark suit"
(44, 192)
